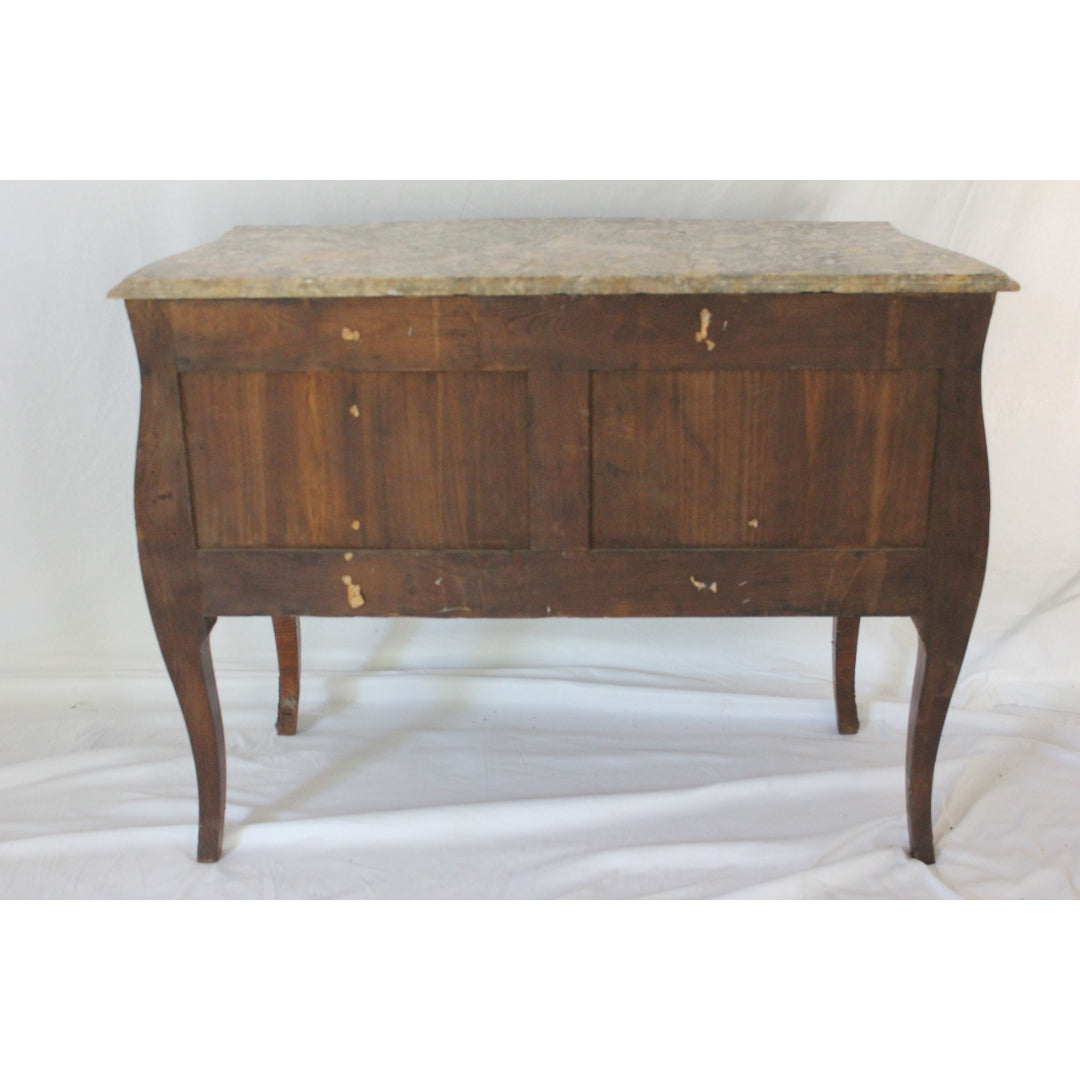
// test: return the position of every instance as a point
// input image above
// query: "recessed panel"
(367, 460)
(803, 458)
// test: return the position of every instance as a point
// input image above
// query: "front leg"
(167, 554)
(958, 536)
(185, 646)
(936, 670)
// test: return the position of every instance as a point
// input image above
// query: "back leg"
(287, 639)
(845, 644)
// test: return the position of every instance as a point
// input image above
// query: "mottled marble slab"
(538, 256)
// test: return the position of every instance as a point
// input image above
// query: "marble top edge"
(542, 256)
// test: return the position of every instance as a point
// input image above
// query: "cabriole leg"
(167, 554)
(958, 535)
(936, 672)
(185, 646)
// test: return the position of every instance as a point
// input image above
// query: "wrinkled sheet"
(518, 782)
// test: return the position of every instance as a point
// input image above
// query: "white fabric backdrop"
(521, 759)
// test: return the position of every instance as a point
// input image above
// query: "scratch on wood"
(703, 333)
(350, 335)
(699, 585)
(352, 592)
(354, 410)
(753, 523)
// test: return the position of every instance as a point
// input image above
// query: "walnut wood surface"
(845, 645)
(374, 459)
(593, 333)
(808, 454)
(559, 460)
(170, 575)
(585, 583)
(959, 535)
(764, 459)
(287, 642)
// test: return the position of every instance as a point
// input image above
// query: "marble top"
(538, 256)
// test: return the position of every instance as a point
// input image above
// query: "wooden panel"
(536, 584)
(577, 332)
(766, 458)
(372, 460)
(943, 331)
(398, 333)
(559, 460)
(685, 331)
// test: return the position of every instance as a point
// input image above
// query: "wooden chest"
(552, 418)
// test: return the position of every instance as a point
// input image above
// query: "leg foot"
(287, 639)
(845, 643)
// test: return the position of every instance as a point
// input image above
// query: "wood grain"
(370, 459)
(534, 584)
(957, 544)
(568, 332)
(287, 643)
(559, 460)
(767, 458)
(505, 456)
(845, 645)
(358, 334)
(170, 575)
